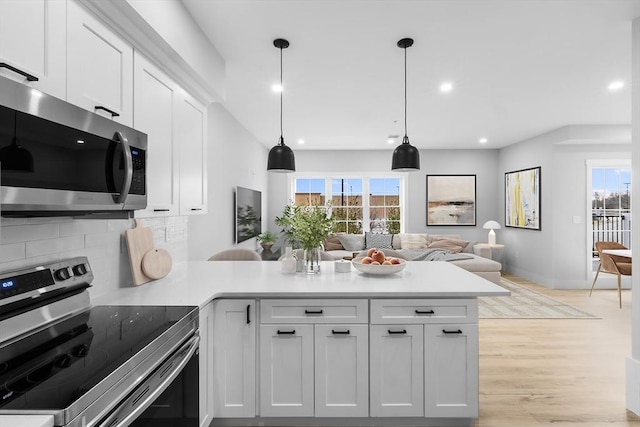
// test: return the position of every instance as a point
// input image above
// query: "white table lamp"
(491, 225)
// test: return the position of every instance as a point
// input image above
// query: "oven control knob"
(80, 350)
(62, 274)
(79, 270)
(63, 361)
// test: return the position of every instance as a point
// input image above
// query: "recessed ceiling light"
(276, 87)
(617, 85)
(301, 141)
(79, 141)
(391, 139)
(483, 140)
(446, 87)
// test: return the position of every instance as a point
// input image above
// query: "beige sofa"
(478, 262)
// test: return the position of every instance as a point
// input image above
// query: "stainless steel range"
(93, 365)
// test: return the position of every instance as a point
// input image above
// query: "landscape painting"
(451, 200)
(522, 198)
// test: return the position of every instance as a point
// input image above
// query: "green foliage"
(392, 225)
(305, 226)
(267, 237)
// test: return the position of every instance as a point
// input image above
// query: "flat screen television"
(248, 213)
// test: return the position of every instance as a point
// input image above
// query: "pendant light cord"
(405, 93)
(281, 90)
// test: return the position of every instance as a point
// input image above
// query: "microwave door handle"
(126, 185)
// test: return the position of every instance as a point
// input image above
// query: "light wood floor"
(566, 372)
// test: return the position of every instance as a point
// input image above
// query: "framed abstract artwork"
(522, 198)
(451, 200)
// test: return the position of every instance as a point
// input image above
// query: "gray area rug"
(525, 303)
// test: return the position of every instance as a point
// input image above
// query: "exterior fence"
(611, 228)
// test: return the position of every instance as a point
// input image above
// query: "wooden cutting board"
(139, 242)
(156, 263)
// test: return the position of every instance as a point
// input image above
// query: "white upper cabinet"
(193, 156)
(99, 66)
(155, 114)
(33, 41)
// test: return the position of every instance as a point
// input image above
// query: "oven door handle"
(143, 396)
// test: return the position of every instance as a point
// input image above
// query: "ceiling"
(519, 68)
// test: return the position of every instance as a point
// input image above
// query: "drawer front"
(392, 311)
(314, 311)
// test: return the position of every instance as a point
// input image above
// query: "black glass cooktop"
(52, 368)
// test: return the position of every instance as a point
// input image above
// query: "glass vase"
(312, 261)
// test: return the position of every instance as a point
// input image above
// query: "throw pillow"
(396, 242)
(469, 248)
(432, 237)
(453, 245)
(377, 240)
(414, 241)
(332, 243)
(352, 242)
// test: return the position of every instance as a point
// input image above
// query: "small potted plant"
(267, 239)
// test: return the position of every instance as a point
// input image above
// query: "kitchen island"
(329, 349)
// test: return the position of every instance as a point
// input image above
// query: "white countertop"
(197, 283)
(26, 420)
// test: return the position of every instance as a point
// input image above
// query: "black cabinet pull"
(100, 107)
(425, 312)
(28, 76)
(196, 209)
(161, 210)
(248, 314)
(334, 332)
(291, 332)
(404, 331)
(444, 331)
(313, 312)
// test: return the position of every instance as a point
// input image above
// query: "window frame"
(366, 177)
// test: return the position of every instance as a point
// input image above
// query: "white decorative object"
(342, 266)
(288, 263)
(491, 225)
(379, 270)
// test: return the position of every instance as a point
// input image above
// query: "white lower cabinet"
(451, 370)
(234, 358)
(286, 371)
(397, 378)
(414, 358)
(205, 365)
(341, 370)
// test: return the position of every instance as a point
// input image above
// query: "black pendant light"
(405, 157)
(281, 158)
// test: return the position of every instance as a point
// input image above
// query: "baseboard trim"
(632, 382)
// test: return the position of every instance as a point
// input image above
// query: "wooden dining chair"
(619, 265)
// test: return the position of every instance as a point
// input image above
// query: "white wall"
(556, 256)
(235, 158)
(482, 163)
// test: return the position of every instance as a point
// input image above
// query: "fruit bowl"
(378, 270)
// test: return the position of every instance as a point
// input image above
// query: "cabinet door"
(451, 370)
(155, 114)
(193, 156)
(396, 385)
(206, 365)
(99, 66)
(33, 40)
(234, 359)
(341, 370)
(286, 371)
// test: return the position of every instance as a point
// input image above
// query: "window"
(358, 204)
(610, 204)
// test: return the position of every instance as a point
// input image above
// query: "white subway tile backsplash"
(54, 246)
(73, 228)
(12, 252)
(29, 232)
(35, 241)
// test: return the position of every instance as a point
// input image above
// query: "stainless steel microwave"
(57, 159)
